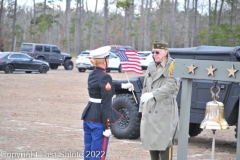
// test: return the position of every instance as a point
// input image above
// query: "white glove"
(128, 86)
(107, 133)
(146, 96)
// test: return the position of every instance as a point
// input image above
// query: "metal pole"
(213, 144)
(186, 96)
(238, 131)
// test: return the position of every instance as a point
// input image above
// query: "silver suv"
(49, 53)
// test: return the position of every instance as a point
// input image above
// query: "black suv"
(49, 53)
(128, 127)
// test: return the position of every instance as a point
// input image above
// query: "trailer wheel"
(194, 129)
(128, 127)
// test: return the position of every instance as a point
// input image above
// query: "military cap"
(101, 52)
(160, 45)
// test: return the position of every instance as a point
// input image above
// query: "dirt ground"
(40, 119)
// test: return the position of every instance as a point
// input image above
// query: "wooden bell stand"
(184, 69)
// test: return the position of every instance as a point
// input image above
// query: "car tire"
(120, 70)
(28, 71)
(43, 69)
(236, 130)
(108, 70)
(128, 127)
(194, 129)
(54, 66)
(81, 70)
(9, 69)
(68, 65)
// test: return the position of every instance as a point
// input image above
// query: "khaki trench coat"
(159, 122)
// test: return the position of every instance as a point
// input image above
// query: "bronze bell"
(214, 115)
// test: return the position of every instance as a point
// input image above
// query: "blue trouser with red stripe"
(95, 144)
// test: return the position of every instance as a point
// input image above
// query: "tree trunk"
(133, 25)
(145, 27)
(186, 7)
(1, 37)
(67, 24)
(44, 7)
(194, 33)
(192, 24)
(34, 20)
(76, 35)
(105, 25)
(82, 32)
(13, 25)
(220, 13)
(174, 4)
(126, 26)
(232, 13)
(161, 21)
(210, 14)
(92, 46)
(140, 28)
(147, 37)
(215, 13)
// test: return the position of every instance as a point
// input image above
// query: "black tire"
(81, 70)
(54, 66)
(9, 69)
(43, 68)
(108, 70)
(236, 130)
(120, 70)
(68, 65)
(194, 129)
(128, 127)
(28, 71)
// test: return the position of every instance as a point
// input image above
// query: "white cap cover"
(100, 52)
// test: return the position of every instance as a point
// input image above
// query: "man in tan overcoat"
(159, 123)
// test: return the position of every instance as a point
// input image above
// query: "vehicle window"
(25, 56)
(85, 54)
(2, 55)
(125, 48)
(46, 48)
(129, 48)
(55, 49)
(38, 48)
(113, 49)
(27, 47)
(112, 55)
(143, 54)
(14, 56)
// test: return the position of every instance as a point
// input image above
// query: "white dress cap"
(100, 52)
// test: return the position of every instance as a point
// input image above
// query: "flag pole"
(132, 89)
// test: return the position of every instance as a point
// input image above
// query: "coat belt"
(95, 100)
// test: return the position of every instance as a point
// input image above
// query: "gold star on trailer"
(191, 69)
(211, 70)
(232, 71)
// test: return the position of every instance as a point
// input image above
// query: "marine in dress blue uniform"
(99, 114)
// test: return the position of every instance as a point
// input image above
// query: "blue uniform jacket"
(100, 86)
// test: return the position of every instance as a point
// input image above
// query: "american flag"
(130, 61)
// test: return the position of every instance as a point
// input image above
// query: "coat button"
(155, 111)
(149, 111)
